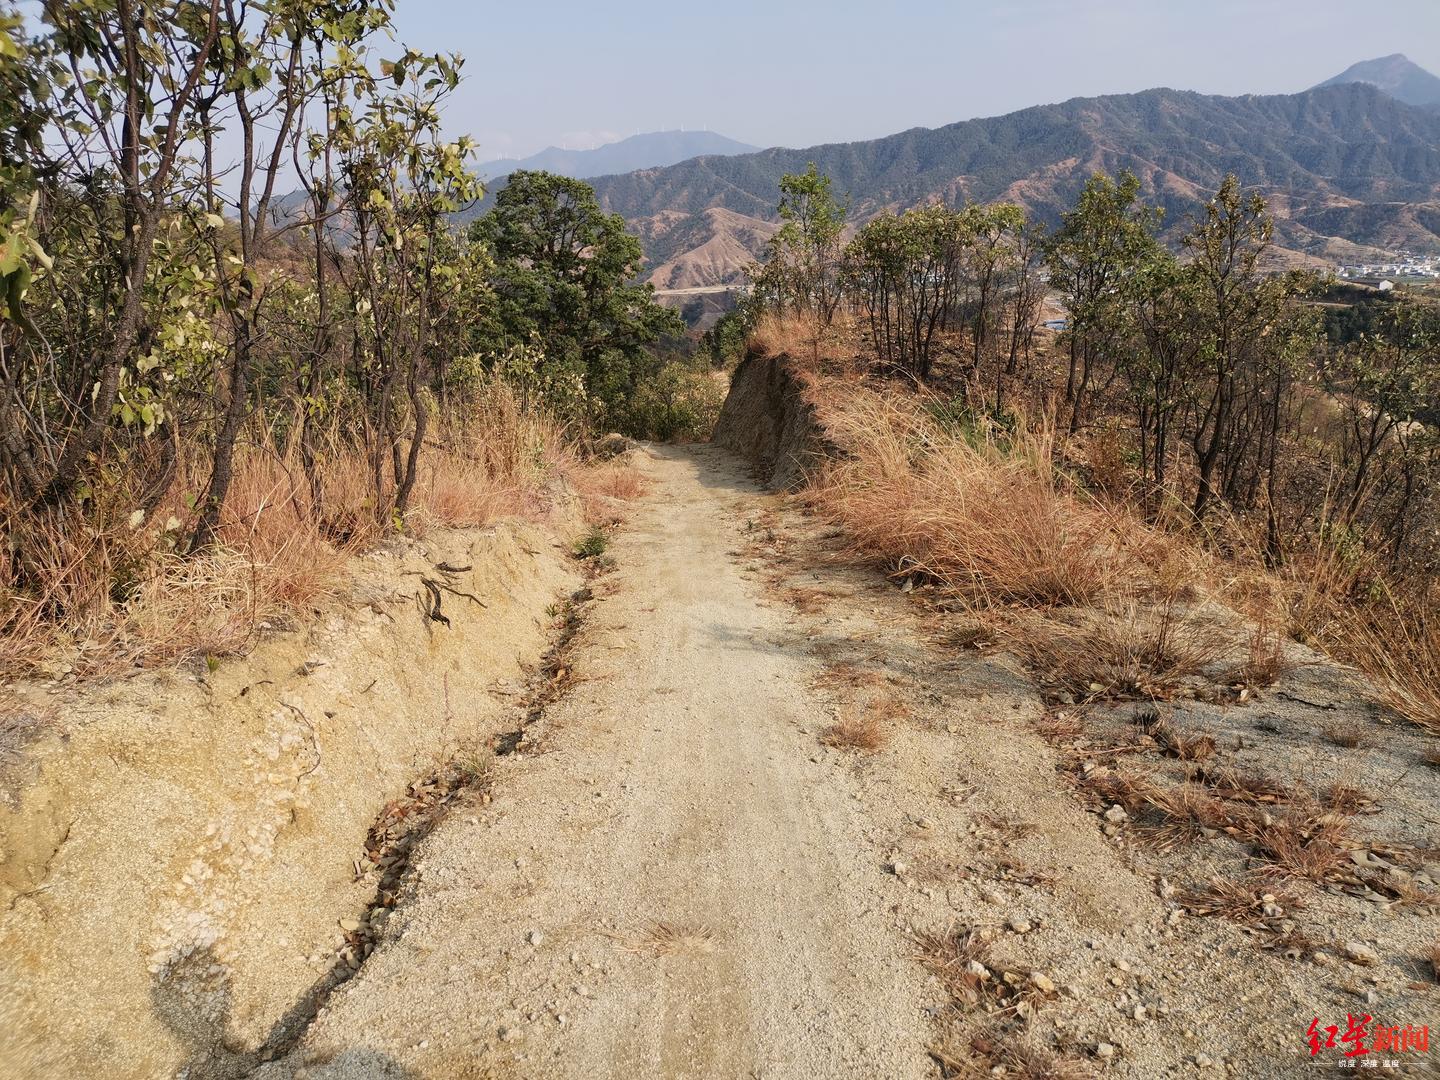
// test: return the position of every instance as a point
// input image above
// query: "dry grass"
(103, 594)
(665, 939)
(1172, 743)
(802, 339)
(1126, 651)
(1010, 828)
(1348, 735)
(959, 957)
(1251, 902)
(1265, 660)
(1434, 959)
(863, 731)
(1303, 842)
(1406, 895)
(1348, 799)
(1237, 785)
(672, 939)
(991, 523)
(1400, 651)
(844, 675)
(1060, 727)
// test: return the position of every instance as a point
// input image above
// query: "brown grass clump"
(856, 732)
(1303, 843)
(1348, 799)
(1406, 894)
(1348, 735)
(1182, 815)
(113, 590)
(801, 338)
(990, 523)
(957, 957)
(1249, 787)
(1123, 652)
(1265, 660)
(1251, 902)
(1400, 651)
(846, 675)
(1010, 828)
(1060, 727)
(960, 959)
(672, 939)
(1171, 742)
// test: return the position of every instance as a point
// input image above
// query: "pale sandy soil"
(678, 878)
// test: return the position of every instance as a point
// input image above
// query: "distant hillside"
(1397, 76)
(1343, 166)
(650, 150)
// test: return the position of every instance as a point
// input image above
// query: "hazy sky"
(797, 73)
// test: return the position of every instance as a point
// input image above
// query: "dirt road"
(675, 886)
(678, 877)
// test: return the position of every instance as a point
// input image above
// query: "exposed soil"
(699, 868)
(764, 809)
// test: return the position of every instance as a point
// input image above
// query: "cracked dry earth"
(679, 876)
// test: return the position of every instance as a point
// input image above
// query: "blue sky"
(802, 73)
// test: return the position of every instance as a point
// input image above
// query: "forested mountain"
(645, 151)
(1397, 75)
(1342, 166)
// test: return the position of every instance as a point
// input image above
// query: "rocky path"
(675, 885)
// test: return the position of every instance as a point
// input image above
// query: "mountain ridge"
(651, 149)
(1344, 165)
(1397, 75)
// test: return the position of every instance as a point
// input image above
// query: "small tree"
(566, 281)
(1093, 260)
(802, 272)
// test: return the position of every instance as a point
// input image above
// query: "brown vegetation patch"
(1251, 901)
(864, 731)
(1130, 651)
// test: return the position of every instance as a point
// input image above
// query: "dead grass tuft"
(1400, 651)
(1008, 827)
(1348, 735)
(1303, 843)
(1265, 660)
(1348, 799)
(956, 956)
(1126, 651)
(989, 521)
(1252, 901)
(845, 675)
(672, 939)
(107, 592)
(864, 731)
(1249, 787)
(1060, 727)
(1171, 742)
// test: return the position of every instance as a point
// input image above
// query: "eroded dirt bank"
(177, 856)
